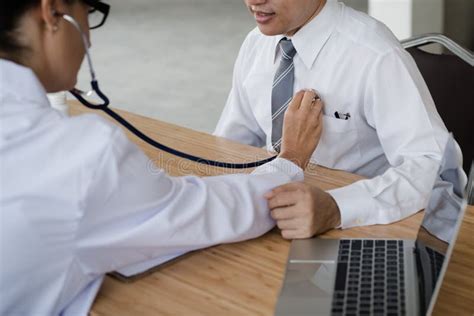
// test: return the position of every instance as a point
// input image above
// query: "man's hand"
(302, 211)
(302, 128)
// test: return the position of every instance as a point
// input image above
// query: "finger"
(320, 124)
(284, 199)
(318, 109)
(317, 106)
(299, 234)
(287, 224)
(296, 101)
(316, 96)
(307, 102)
(284, 188)
(283, 213)
(289, 234)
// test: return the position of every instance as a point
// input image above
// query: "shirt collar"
(21, 84)
(310, 39)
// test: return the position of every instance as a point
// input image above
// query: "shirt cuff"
(281, 165)
(354, 205)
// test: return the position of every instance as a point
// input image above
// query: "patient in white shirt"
(379, 118)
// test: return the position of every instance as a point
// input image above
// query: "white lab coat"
(78, 200)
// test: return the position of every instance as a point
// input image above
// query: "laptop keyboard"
(436, 262)
(370, 278)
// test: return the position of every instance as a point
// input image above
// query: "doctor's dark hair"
(11, 11)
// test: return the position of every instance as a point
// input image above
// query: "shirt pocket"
(338, 147)
(335, 125)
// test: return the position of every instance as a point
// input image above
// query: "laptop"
(379, 276)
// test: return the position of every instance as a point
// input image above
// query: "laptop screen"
(439, 226)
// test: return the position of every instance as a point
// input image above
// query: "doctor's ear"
(50, 13)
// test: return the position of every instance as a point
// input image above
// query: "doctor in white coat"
(76, 197)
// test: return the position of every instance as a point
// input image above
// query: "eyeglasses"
(98, 13)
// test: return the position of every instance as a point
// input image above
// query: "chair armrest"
(451, 45)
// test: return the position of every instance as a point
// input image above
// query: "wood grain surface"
(245, 278)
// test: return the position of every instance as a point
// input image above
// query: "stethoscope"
(104, 107)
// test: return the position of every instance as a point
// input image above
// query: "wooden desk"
(245, 278)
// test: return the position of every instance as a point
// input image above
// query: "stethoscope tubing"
(104, 107)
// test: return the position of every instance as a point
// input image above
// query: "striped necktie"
(282, 91)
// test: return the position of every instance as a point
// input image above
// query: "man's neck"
(316, 12)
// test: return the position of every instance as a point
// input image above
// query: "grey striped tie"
(282, 91)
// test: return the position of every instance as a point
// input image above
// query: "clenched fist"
(302, 211)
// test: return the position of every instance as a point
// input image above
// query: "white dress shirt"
(78, 200)
(394, 134)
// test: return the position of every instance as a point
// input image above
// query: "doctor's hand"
(302, 211)
(302, 127)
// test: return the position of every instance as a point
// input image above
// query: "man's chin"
(268, 31)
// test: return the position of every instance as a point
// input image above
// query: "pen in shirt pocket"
(342, 116)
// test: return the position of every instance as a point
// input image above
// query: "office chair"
(470, 186)
(450, 79)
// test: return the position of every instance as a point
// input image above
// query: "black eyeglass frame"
(102, 7)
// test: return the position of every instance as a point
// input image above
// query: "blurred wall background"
(169, 59)
(173, 59)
